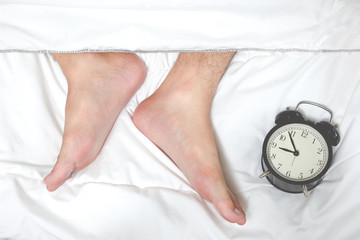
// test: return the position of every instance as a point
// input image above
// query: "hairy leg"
(99, 86)
(177, 119)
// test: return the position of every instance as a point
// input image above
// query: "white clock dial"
(297, 152)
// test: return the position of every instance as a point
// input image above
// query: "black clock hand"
(292, 142)
(296, 152)
(286, 150)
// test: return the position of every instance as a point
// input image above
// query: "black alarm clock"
(297, 153)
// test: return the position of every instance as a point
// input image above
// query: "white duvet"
(288, 51)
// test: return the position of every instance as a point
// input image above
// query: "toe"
(211, 186)
(229, 208)
(60, 173)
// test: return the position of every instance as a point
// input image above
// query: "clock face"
(297, 152)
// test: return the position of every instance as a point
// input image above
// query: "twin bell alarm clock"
(296, 153)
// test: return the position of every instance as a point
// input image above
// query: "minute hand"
(292, 142)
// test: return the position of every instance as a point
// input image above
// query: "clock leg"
(264, 174)
(305, 190)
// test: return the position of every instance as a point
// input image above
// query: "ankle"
(75, 64)
(135, 67)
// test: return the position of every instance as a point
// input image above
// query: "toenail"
(238, 212)
(242, 221)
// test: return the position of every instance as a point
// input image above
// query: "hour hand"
(286, 150)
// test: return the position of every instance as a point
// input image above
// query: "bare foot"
(99, 87)
(176, 120)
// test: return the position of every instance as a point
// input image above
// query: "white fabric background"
(132, 190)
(188, 25)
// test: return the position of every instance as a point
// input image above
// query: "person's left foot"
(99, 87)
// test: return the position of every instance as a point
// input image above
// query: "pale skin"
(176, 117)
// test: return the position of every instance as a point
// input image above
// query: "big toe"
(229, 208)
(60, 173)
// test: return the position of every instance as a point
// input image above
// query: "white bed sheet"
(133, 190)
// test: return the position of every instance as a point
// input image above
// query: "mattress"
(286, 53)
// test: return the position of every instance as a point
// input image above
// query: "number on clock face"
(297, 152)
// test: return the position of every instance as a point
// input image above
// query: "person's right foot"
(99, 87)
(177, 121)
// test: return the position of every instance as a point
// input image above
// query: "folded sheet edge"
(250, 49)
